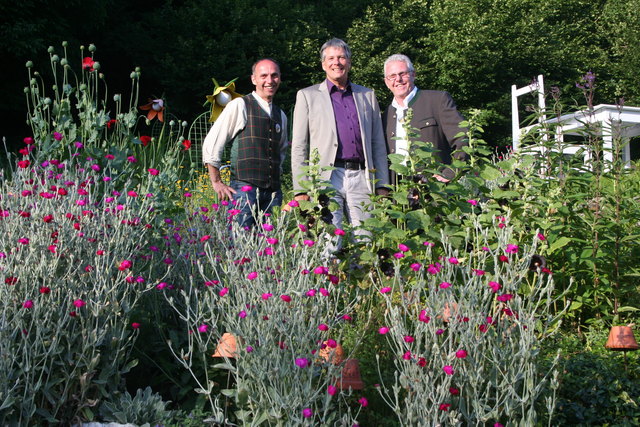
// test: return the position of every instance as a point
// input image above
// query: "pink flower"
(320, 270)
(495, 286)
(383, 330)
(311, 293)
(293, 204)
(125, 265)
(109, 157)
(285, 298)
(504, 297)
(338, 232)
(445, 406)
(223, 291)
(160, 286)
(132, 193)
(246, 188)
(406, 355)
(454, 391)
(403, 247)
(429, 244)
(331, 343)
(265, 296)
(272, 241)
(23, 241)
(461, 354)
(57, 136)
(249, 349)
(448, 369)
(28, 304)
(307, 413)
(478, 272)
(541, 237)
(385, 290)
(301, 362)
(512, 249)
(323, 292)
(203, 328)
(79, 303)
(135, 325)
(444, 285)
(302, 227)
(323, 327)
(473, 202)
(409, 339)
(131, 159)
(453, 260)
(45, 290)
(153, 172)
(504, 258)
(267, 227)
(398, 255)
(415, 266)
(423, 316)
(332, 390)
(308, 243)
(242, 314)
(363, 402)
(252, 275)
(440, 332)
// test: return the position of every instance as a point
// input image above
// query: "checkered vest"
(255, 155)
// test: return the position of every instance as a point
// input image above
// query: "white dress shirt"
(402, 144)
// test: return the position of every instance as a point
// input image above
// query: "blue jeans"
(253, 202)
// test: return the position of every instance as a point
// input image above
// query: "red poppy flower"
(186, 144)
(87, 63)
(145, 139)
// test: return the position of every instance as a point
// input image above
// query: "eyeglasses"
(394, 77)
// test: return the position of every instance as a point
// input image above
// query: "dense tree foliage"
(475, 49)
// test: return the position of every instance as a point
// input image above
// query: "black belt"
(350, 165)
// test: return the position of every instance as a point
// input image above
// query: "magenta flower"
(444, 285)
(453, 260)
(28, 304)
(409, 339)
(461, 354)
(293, 204)
(131, 159)
(406, 355)
(95, 168)
(495, 286)
(266, 295)
(440, 332)
(332, 390)
(246, 188)
(398, 255)
(126, 264)
(478, 272)
(454, 391)
(267, 227)
(415, 266)
(249, 349)
(429, 244)
(504, 297)
(448, 369)
(331, 343)
(308, 243)
(307, 413)
(423, 316)
(323, 292)
(160, 286)
(132, 193)
(541, 237)
(512, 249)
(403, 247)
(473, 202)
(320, 270)
(338, 232)
(445, 406)
(153, 171)
(302, 227)
(23, 241)
(311, 293)
(323, 327)
(385, 290)
(301, 362)
(383, 330)
(242, 314)
(79, 303)
(57, 136)
(135, 325)
(252, 275)
(223, 291)
(203, 328)
(504, 258)
(285, 298)
(272, 241)
(363, 402)
(334, 279)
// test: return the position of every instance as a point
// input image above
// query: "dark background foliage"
(475, 49)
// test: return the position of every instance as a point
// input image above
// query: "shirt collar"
(266, 106)
(407, 100)
(332, 87)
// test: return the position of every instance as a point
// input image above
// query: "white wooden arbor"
(611, 120)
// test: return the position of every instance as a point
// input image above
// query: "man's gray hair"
(338, 44)
(398, 57)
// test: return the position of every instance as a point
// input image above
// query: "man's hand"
(223, 191)
(440, 178)
(382, 191)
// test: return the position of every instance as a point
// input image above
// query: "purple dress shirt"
(347, 124)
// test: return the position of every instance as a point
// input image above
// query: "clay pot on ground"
(227, 346)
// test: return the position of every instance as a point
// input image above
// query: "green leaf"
(489, 173)
(559, 243)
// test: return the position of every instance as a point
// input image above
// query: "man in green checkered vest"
(257, 128)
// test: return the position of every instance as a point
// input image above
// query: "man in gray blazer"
(342, 121)
(435, 116)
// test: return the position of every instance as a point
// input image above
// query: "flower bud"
(64, 62)
(96, 65)
(116, 97)
(47, 101)
(172, 123)
(92, 47)
(133, 75)
(65, 44)
(50, 50)
(55, 58)
(184, 124)
(29, 64)
(83, 87)
(33, 82)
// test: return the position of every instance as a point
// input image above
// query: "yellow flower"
(220, 98)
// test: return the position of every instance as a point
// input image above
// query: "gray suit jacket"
(437, 119)
(314, 126)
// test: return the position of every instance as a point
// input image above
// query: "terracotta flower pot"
(332, 355)
(227, 346)
(350, 376)
(621, 339)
